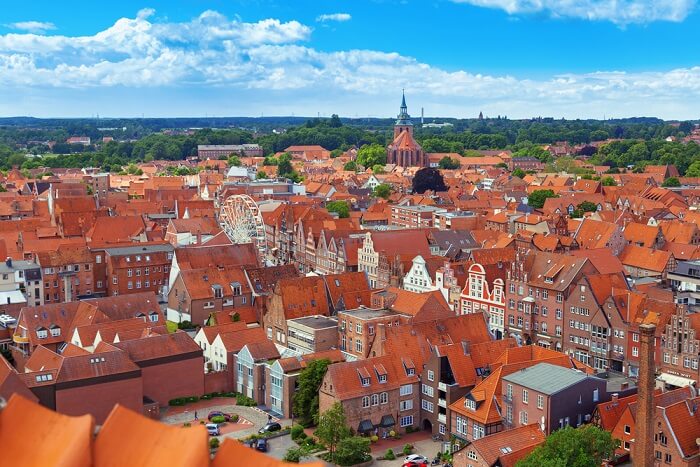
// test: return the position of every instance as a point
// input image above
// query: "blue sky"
(520, 58)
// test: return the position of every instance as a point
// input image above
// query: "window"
(42, 333)
(523, 417)
(406, 405)
(431, 375)
(138, 284)
(364, 381)
(540, 401)
(428, 390)
(153, 317)
(365, 402)
(427, 405)
(384, 398)
(129, 272)
(375, 399)
(478, 431)
(98, 259)
(525, 396)
(406, 421)
(382, 378)
(470, 403)
(358, 328)
(358, 345)
(99, 284)
(596, 395)
(635, 351)
(55, 332)
(114, 280)
(441, 429)
(406, 389)
(509, 391)
(472, 455)
(129, 285)
(627, 429)
(667, 458)
(635, 337)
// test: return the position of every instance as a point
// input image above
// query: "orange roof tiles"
(128, 438)
(64, 441)
(521, 440)
(645, 258)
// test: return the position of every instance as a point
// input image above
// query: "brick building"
(378, 394)
(67, 273)
(484, 292)
(312, 334)
(135, 269)
(404, 151)
(413, 217)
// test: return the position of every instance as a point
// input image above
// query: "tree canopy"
(370, 155)
(332, 427)
(537, 198)
(448, 163)
(339, 207)
(671, 182)
(587, 446)
(305, 401)
(428, 178)
(383, 190)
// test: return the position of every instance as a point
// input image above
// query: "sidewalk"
(397, 445)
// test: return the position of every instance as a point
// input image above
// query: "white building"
(418, 279)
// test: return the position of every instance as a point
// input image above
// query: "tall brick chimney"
(643, 450)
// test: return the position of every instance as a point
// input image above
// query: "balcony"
(442, 418)
(20, 339)
(442, 403)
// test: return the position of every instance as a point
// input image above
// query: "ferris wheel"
(240, 219)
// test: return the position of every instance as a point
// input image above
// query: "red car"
(415, 464)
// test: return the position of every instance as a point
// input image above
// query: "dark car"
(261, 445)
(217, 413)
(270, 427)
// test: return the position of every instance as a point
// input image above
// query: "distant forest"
(138, 140)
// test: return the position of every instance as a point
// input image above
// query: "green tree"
(370, 155)
(339, 207)
(537, 198)
(353, 450)
(520, 173)
(693, 169)
(587, 446)
(383, 190)
(671, 182)
(305, 401)
(284, 164)
(587, 206)
(447, 163)
(352, 166)
(295, 454)
(234, 161)
(261, 175)
(608, 181)
(378, 169)
(332, 428)
(336, 153)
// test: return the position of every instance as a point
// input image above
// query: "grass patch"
(171, 325)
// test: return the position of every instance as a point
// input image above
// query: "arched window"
(375, 399)
(365, 402)
(384, 398)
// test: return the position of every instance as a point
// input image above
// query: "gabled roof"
(200, 283)
(346, 381)
(202, 256)
(609, 412)
(303, 296)
(234, 341)
(262, 280)
(645, 258)
(159, 346)
(519, 440)
(339, 284)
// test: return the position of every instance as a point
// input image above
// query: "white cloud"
(32, 26)
(265, 67)
(621, 12)
(340, 17)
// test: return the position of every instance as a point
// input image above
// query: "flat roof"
(315, 322)
(369, 313)
(546, 378)
(135, 250)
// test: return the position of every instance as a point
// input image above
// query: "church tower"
(405, 151)
(403, 122)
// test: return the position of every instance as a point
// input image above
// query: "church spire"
(403, 117)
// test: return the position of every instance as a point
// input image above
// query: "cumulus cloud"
(32, 26)
(621, 12)
(272, 61)
(340, 17)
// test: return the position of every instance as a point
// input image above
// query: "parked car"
(217, 413)
(261, 445)
(213, 429)
(415, 464)
(416, 457)
(270, 427)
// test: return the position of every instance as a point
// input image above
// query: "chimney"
(465, 346)
(8, 262)
(643, 449)
(614, 399)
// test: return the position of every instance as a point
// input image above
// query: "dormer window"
(470, 404)
(365, 381)
(410, 371)
(218, 291)
(42, 333)
(236, 288)
(382, 378)
(153, 317)
(55, 331)
(128, 259)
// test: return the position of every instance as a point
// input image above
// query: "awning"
(674, 380)
(387, 421)
(365, 426)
